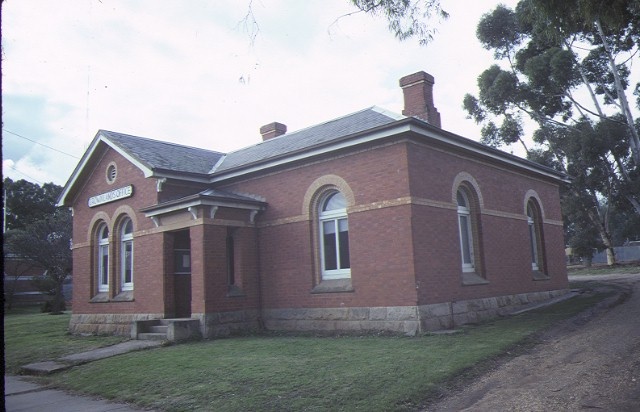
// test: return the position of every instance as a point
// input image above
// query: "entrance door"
(182, 274)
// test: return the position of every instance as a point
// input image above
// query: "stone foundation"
(107, 324)
(398, 319)
(221, 324)
(450, 315)
(408, 320)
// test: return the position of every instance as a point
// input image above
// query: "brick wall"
(403, 235)
(148, 293)
(503, 228)
(405, 247)
(380, 237)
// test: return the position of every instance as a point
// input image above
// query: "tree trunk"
(57, 305)
(587, 261)
(634, 142)
(611, 255)
(604, 235)
(635, 203)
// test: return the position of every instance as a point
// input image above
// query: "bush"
(47, 307)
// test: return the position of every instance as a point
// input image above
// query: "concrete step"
(152, 336)
(158, 329)
(167, 321)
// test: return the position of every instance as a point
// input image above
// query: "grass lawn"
(283, 372)
(31, 336)
(623, 268)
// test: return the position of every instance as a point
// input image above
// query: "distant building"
(371, 221)
(19, 276)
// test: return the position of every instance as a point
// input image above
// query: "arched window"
(534, 236)
(126, 255)
(334, 236)
(465, 229)
(103, 258)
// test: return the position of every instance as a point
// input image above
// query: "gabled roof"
(158, 156)
(307, 138)
(152, 157)
(163, 159)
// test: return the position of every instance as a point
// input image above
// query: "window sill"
(537, 275)
(235, 291)
(125, 296)
(100, 298)
(472, 278)
(333, 286)
(103, 297)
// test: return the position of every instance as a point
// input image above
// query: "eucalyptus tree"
(564, 67)
(46, 242)
(38, 233)
(406, 18)
(27, 202)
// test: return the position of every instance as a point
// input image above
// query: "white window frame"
(103, 251)
(334, 216)
(126, 239)
(533, 238)
(464, 214)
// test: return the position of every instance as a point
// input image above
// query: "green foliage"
(554, 51)
(28, 202)
(406, 18)
(41, 236)
(498, 31)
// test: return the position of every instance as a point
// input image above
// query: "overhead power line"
(26, 175)
(41, 144)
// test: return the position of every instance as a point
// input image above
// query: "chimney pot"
(418, 97)
(271, 130)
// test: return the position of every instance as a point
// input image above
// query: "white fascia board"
(147, 172)
(495, 155)
(403, 127)
(88, 155)
(200, 202)
(180, 176)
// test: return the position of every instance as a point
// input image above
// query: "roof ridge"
(373, 108)
(388, 113)
(110, 132)
(218, 163)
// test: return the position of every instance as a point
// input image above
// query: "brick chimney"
(418, 97)
(271, 130)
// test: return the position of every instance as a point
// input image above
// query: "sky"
(190, 72)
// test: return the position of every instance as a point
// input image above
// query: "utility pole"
(4, 212)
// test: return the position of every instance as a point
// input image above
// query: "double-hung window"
(103, 259)
(533, 238)
(334, 237)
(466, 232)
(126, 255)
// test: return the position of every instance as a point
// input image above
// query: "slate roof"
(165, 159)
(307, 138)
(157, 155)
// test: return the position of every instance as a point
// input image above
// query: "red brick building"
(372, 221)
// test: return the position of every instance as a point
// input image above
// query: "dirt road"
(591, 362)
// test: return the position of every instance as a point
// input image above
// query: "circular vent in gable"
(112, 172)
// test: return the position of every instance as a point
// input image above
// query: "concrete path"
(48, 367)
(23, 396)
